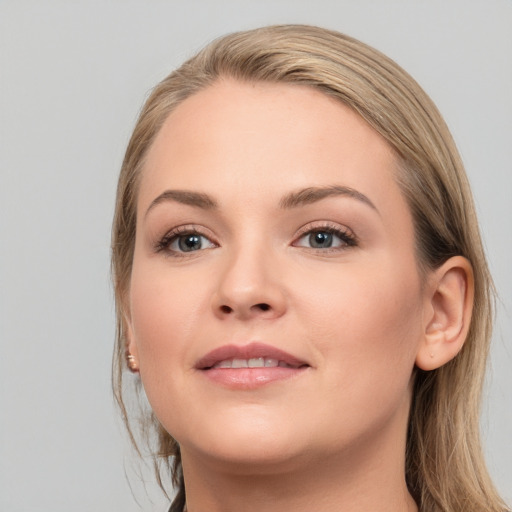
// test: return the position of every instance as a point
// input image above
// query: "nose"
(250, 287)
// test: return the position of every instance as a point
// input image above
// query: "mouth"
(253, 362)
(249, 366)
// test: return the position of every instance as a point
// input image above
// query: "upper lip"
(249, 351)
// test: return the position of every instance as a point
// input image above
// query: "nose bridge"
(249, 283)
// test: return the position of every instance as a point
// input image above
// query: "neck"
(362, 479)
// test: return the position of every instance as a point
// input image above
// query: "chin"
(252, 444)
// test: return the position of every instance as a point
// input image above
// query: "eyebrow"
(197, 199)
(311, 195)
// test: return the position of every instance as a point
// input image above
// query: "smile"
(249, 366)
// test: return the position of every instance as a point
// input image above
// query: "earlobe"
(450, 300)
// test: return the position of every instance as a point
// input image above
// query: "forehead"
(250, 138)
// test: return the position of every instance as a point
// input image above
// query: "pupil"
(320, 239)
(190, 243)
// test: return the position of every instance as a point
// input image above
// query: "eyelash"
(345, 235)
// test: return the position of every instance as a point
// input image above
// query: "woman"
(300, 283)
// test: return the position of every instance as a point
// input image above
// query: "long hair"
(445, 469)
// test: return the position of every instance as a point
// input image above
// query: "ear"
(450, 292)
(131, 346)
(129, 338)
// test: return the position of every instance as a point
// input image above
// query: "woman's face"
(275, 304)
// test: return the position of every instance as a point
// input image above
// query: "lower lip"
(251, 378)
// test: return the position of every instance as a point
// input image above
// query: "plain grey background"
(73, 77)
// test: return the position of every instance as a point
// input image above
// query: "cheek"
(367, 328)
(163, 303)
(165, 311)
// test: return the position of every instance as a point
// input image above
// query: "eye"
(179, 241)
(190, 242)
(326, 238)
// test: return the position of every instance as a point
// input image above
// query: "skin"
(332, 437)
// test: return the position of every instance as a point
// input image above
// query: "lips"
(249, 366)
(254, 355)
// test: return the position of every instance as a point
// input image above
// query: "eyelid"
(325, 225)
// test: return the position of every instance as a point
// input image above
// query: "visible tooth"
(223, 364)
(254, 362)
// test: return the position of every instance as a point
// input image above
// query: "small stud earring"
(132, 364)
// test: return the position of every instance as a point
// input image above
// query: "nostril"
(255, 308)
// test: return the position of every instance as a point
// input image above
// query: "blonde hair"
(445, 470)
